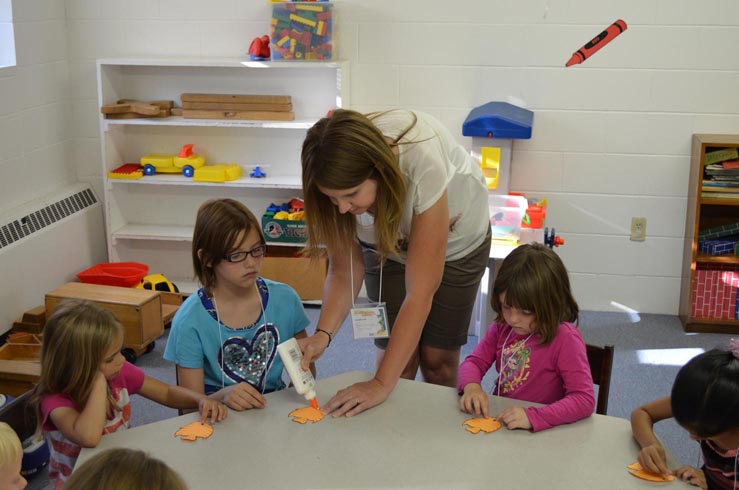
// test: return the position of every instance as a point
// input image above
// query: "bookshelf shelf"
(702, 271)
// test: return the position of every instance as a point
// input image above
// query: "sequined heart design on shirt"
(249, 360)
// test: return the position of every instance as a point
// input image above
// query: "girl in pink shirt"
(86, 384)
(534, 345)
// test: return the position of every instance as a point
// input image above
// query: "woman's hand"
(241, 396)
(694, 476)
(514, 418)
(474, 400)
(357, 398)
(312, 348)
(653, 458)
(214, 408)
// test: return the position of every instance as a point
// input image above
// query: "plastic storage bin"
(303, 31)
(506, 213)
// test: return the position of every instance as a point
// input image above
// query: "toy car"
(186, 162)
(157, 282)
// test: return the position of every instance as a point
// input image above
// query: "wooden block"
(136, 115)
(162, 104)
(138, 310)
(21, 326)
(230, 106)
(35, 315)
(237, 98)
(241, 115)
(176, 111)
(137, 107)
(23, 338)
(20, 352)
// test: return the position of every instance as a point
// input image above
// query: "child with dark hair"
(224, 337)
(537, 350)
(705, 402)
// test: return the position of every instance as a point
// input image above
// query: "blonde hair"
(340, 152)
(76, 338)
(217, 226)
(10, 445)
(124, 469)
(534, 278)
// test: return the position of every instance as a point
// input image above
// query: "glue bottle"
(303, 381)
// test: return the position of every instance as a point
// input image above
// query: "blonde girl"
(124, 469)
(86, 384)
(11, 457)
(534, 345)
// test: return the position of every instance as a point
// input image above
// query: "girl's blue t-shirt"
(234, 355)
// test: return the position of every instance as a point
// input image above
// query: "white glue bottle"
(303, 381)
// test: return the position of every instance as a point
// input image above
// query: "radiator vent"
(46, 216)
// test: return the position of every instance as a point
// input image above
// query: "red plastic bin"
(123, 274)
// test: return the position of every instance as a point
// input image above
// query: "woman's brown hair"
(340, 152)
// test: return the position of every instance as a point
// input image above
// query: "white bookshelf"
(151, 220)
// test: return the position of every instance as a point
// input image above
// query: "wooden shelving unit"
(704, 213)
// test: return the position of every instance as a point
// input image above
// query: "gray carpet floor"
(649, 350)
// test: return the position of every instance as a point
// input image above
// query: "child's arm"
(240, 396)
(578, 402)
(694, 476)
(86, 427)
(473, 369)
(652, 455)
(181, 397)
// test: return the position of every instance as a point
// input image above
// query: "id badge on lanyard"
(369, 320)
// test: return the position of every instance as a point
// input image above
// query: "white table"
(413, 440)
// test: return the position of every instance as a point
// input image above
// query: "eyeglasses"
(255, 252)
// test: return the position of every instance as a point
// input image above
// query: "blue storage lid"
(499, 120)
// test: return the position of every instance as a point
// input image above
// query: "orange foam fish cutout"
(638, 471)
(191, 432)
(489, 424)
(303, 415)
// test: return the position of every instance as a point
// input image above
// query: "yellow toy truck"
(186, 162)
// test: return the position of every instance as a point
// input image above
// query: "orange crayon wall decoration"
(592, 46)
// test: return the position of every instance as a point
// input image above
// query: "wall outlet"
(638, 229)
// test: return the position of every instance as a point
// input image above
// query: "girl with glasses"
(224, 337)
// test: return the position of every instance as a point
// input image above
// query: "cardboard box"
(138, 310)
(283, 230)
(304, 276)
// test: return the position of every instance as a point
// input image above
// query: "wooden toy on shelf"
(132, 109)
(33, 321)
(237, 106)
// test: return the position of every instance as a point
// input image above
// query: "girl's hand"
(694, 476)
(653, 458)
(514, 418)
(357, 398)
(241, 396)
(216, 409)
(474, 400)
(312, 348)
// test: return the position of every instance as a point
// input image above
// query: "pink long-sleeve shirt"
(556, 374)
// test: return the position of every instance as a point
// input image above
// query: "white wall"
(36, 159)
(611, 136)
